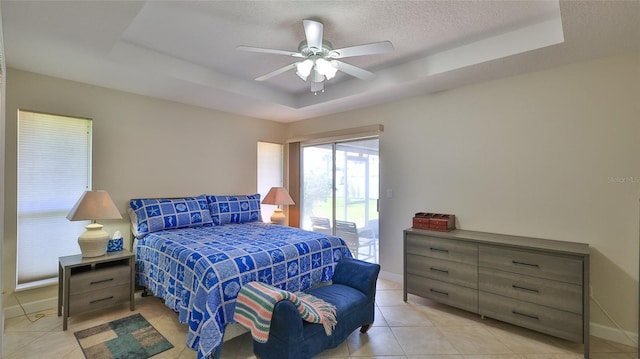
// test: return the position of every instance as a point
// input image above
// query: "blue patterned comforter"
(199, 271)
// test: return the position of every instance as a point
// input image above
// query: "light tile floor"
(418, 329)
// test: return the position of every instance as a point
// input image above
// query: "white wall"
(142, 147)
(552, 154)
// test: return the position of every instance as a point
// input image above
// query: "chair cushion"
(345, 298)
(350, 304)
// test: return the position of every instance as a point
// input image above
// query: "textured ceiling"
(185, 50)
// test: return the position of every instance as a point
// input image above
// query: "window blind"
(54, 169)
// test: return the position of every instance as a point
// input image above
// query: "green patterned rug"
(130, 337)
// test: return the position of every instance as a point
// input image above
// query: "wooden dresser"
(535, 283)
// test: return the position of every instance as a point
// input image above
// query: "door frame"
(335, 148)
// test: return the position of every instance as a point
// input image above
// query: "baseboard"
(391, 276)
(614, 334)
(31, 307)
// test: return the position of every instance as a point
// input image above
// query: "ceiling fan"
(319, 60)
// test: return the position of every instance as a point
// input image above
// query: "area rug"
(130, 337)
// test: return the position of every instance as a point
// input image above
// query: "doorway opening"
(340, 193)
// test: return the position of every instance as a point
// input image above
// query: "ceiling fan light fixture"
(326, 68)
(317, 76)
(302, 77)
(317, 86)
(303, 69)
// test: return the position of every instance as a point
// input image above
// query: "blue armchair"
(352, 291)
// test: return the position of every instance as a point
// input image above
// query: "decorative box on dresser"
(86, 284)
(535, 283)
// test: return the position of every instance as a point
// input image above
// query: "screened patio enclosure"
(340, 187)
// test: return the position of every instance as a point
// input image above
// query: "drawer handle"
(525, 264)
(439, 270)
(100, 300)
(438, 292)
(525, 315)
(438, 250)
(101, 281)
(525, 289)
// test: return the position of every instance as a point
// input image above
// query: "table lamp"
(278, 196)
(94, 205)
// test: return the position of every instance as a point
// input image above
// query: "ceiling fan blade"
(360, 50)
(354, 70)
(313, 32)
(269, 51)
(276, 72)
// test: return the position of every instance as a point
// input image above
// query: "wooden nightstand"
(86, 284)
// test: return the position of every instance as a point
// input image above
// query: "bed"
(197, 252)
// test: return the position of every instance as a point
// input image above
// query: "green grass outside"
(355, 211)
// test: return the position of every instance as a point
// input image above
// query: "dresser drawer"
(558, 295)
(447, 271)
(447, 293)
(98, 279)
(536, 317)
(442, 248)
(557, 267)
(98, 299)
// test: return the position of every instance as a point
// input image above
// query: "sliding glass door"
(340, 193)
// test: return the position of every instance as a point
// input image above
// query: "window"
(54, 169)
(270, 172)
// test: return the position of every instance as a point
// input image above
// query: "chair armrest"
(286, 323)
(357, 274)
(285, 334)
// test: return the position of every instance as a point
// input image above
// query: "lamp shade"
(94, 205)
(278, 196)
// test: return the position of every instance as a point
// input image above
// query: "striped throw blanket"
(255, 303)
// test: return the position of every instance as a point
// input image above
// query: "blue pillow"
(152, 215)
(234, 209)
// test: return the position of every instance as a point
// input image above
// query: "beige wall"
(552, 154)
(142, 147)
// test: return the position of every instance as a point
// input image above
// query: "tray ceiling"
(185, 50)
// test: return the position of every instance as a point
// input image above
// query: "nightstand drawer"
(98, 279)
(447, 271)
(557, 267)
(98, 299)
(434, 247)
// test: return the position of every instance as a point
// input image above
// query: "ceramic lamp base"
(278, 217)
(93, 242)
